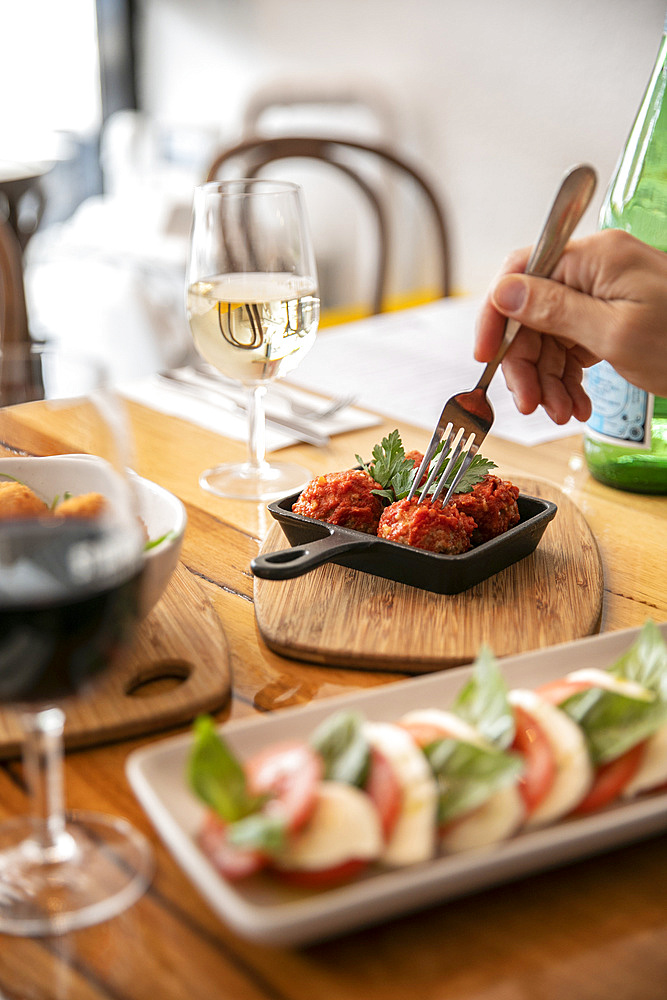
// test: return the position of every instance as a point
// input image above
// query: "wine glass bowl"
(253, 308)
(71, 562)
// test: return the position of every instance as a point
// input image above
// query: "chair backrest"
(13, 312)
(350, 157)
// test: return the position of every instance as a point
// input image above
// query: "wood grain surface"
(591, 930)
(335, 615)
(171, 673)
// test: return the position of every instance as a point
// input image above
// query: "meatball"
(492, 505)
(343, 498)
(427, 525)
(17, 501)
(87, 506)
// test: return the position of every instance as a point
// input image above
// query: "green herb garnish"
(217, 776)
(613, 721)
(152, 543)
(341, 743)
(395, 473)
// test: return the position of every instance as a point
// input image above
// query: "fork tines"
(453, 449)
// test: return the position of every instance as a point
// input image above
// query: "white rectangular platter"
(270, 912)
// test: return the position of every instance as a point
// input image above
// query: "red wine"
(68, 604)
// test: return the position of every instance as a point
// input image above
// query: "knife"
(198, 383)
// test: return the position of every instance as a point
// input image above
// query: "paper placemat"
(407, 364)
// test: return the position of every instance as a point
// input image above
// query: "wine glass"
(68, 608)
(253, 308)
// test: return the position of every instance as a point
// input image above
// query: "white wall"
(496, 97)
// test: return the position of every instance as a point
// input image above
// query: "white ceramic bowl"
(163, 514)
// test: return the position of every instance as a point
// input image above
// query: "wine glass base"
(101, 868)
(248, 482)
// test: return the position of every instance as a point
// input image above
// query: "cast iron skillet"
(316, 542)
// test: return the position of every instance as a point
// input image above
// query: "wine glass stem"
(43, 766)
(256, 427)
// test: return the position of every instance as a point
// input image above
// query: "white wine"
(254, 327)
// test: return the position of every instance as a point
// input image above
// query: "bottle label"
(622, 413)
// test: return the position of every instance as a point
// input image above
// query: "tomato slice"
(231, 861)
(540, 762)
(289, 773)
(423, 733)
(321, 878)
(384, 788)
(556, 692)
(611, 778)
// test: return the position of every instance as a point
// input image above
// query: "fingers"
(540, 371)
(551, 368)
(572, 379)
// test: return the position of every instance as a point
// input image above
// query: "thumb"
(549, 307)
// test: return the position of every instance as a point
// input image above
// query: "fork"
(328, 409)
(468, 416)
(324, 412)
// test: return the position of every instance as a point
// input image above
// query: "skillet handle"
(289, 563)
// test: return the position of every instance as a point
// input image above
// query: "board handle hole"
(158, 678)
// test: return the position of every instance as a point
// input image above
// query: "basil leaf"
(217, 777)
(612, 722)
(259, 831)
(646, 661)
(340, 741)
(484, 704)
(468, 774)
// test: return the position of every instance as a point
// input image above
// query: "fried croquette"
(343, 498)
(19, 501)
(87, 506)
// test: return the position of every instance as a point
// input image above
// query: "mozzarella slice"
(574, 772)
(603, 679)
(451, 725)
(652, 771)
(496, 819)
(413, 837)
(344, 826)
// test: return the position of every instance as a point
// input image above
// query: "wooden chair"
(352, 158)
(13, 312)
(17, 384)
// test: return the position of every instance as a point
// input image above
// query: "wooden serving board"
(180, 646)
(339, 616)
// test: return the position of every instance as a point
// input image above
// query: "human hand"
(606, 300)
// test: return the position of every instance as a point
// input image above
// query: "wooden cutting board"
(178, 666)
(339, 616)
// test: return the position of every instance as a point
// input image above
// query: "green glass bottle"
(625, 442)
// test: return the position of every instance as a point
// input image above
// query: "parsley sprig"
(395, 473)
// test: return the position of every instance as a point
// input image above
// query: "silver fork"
(468, 416)
(323, 412)
(328, 409)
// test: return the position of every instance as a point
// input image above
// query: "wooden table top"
(589, 931)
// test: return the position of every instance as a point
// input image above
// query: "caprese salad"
(436, 780)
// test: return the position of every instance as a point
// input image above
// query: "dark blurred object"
(14, 332)
(116, 43)
(13, 313)
(22, 199)
(352, 158)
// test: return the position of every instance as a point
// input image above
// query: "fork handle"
(569, 205)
